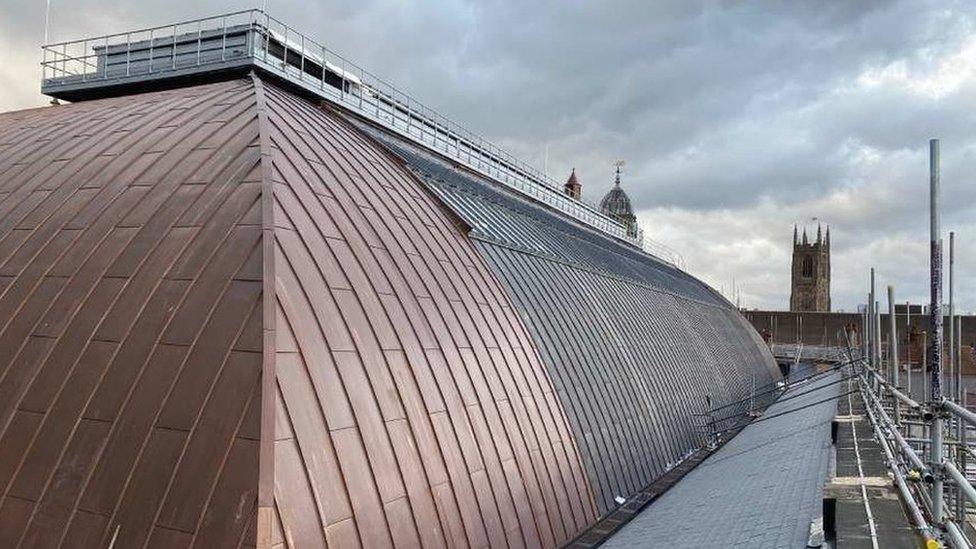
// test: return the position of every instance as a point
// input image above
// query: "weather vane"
(618, 164)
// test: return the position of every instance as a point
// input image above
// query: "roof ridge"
(266, 453)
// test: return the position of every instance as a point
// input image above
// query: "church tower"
(810, 289)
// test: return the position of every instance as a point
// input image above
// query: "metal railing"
(800, 352)
(904, 428)
(253, 37)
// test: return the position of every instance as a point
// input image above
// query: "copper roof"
(232, 319)
(130, 318)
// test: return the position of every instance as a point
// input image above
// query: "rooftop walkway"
(762, 489)
(863, 463)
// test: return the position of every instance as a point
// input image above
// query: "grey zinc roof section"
(761, 489)
(634, 346)
(496, 214)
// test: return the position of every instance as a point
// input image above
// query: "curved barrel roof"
(234, 318)
(130, 319)
(635, 346)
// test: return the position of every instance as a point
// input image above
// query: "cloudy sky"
(736, 120)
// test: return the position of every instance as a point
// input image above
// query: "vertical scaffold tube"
(950, 385)
(893, 348)
(935, 320)
(875, 361)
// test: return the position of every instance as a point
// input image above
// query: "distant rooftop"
(197, 50)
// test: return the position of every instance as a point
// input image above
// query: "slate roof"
(761, 489)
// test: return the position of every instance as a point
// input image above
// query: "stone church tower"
(810, 289)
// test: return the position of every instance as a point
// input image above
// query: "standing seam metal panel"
(545, 350)
(603, 425)
(457, 324)
(633, 346)
(166, 316)
(411, 404)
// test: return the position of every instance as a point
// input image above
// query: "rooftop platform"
(202, 50)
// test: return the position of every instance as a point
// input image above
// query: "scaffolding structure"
(928, 441)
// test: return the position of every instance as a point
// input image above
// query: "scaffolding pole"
(893, 348)
(935, 315)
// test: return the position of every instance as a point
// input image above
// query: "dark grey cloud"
(736, 119)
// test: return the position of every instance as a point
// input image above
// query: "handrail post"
(223, 37)
(874, 361)
(301, 69)
(267, 36)
(877, 329)
(925, 365)
(284, 54)
(961, 428)
(952, 318)
(199, 39)
(342, 91)
(908, 347)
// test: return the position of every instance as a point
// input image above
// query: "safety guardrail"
(253, 37)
